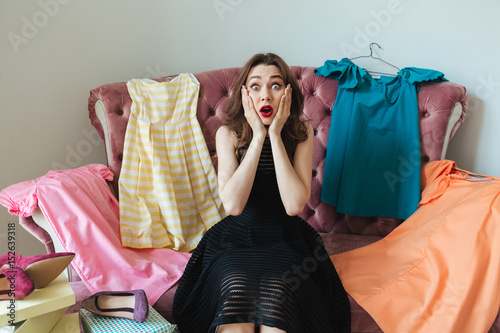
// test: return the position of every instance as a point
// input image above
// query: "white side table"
(43, 309)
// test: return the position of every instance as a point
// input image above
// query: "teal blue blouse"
(372, 165)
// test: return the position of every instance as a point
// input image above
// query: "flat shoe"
(127, 304)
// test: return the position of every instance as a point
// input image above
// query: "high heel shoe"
(127, 304)
(42, 269)
(15, 284)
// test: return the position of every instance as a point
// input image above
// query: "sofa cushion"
(338, 243)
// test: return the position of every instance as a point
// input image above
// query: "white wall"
(52, 52)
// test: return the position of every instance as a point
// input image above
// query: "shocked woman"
(263, 268)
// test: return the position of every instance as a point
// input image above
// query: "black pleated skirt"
(290, 284)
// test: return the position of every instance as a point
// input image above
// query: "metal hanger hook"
(371, 48)
(373, 57)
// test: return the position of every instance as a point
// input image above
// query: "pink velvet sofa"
(442, 109)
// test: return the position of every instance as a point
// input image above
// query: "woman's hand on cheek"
(251, 114)
(283, 112)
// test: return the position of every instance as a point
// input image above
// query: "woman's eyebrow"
(258, 77)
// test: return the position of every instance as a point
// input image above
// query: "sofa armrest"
(39, 227)
(442, 109)
(39, 231)
(42, 223)
(455, 119)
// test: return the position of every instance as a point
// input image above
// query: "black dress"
(263, 267)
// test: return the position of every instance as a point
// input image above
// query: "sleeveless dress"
(263, 267)
(168, 185)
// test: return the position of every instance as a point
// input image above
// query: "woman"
(263, 268)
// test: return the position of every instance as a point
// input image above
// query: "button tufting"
(425, 159)
(119, 112)
(314, 173)
(120, 157)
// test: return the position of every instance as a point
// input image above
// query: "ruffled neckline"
(350, 75)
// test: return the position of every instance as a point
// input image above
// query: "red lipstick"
(266, 111)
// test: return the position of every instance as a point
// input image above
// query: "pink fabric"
(84, 214)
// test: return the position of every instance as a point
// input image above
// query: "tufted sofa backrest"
(435, 103)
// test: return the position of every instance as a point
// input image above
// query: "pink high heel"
(15, 284)
(42, 269)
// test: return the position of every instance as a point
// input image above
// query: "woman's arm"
(235, 179)
(294, 181)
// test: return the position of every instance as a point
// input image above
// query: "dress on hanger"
(439, 271)
(372, 165)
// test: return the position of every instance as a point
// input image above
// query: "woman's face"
(266, 86)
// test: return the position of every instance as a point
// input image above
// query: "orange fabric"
(439, 271)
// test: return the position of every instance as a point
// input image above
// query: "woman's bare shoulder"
(224, 133)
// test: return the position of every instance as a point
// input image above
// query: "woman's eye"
(254, 87)
(276, 86)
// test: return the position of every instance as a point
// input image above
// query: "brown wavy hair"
(294, 131)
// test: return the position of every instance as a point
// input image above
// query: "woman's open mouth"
(266, 111)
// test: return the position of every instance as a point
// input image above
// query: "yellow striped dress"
(168, 186)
